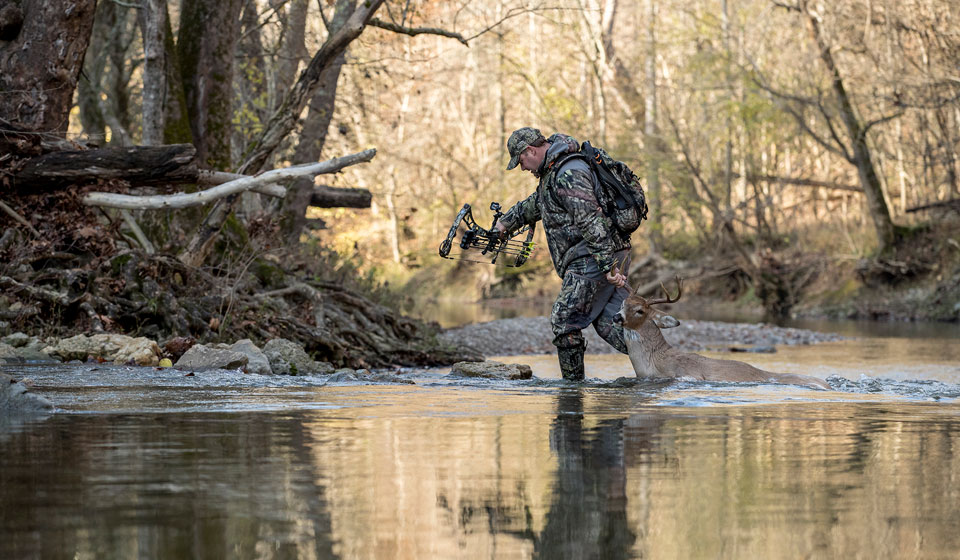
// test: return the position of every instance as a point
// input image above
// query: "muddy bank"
(532, 335)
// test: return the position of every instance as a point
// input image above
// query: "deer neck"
(644, 346)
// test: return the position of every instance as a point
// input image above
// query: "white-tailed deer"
(653, 357)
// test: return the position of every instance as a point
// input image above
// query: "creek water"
(153, 463)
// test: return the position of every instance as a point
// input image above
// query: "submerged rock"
(16, 398)
(491, 370)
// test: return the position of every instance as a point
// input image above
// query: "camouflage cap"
(518, 142)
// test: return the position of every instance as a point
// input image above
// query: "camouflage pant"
(587, 298)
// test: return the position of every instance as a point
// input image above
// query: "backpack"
(616, 187)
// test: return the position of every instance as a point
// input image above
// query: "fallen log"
(139, 165)
(324, 196)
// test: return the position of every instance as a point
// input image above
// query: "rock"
(343, 376)
(141, 351)
(205, 357)
(177, 347)
(387, 378)
(23, 355)
(257, 362)
(8, 354)
(491, 370)
(17, 340)
(118, 348)
(288, 358)
(81, 347)
(16, 398)
(346, 375)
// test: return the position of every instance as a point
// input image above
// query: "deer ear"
(665, 321)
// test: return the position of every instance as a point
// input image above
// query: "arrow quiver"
(488, 242)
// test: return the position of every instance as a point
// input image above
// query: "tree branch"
(245, 183)
(413, 31)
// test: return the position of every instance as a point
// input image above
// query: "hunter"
(588, 251)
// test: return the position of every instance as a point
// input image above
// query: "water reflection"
(587, 516)
(468, 472)
(206, 486)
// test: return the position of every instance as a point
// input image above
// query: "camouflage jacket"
(565, 202)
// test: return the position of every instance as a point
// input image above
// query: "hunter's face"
(530, 159)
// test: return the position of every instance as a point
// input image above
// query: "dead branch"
(19, 219)
(245, 183)
(209, 177)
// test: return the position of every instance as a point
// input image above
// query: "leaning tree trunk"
(41, 54)
(208, 34)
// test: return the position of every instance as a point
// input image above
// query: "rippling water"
(146, 463)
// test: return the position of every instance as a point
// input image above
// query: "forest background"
(796, 155)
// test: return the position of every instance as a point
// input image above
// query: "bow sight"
(488, 241)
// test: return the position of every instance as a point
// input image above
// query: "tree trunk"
(153, 24)
(94, 65)
(40, 64)
(651, 133)
(208, 35)
(293, 49)
(176, 118)
(861, 157)
(250, 86)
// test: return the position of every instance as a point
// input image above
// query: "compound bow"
(488, 241)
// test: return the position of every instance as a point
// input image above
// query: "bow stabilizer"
(488, 241)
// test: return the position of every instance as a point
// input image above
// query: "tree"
(38, 76)
(206, 43)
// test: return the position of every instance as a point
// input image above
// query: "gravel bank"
(532, 335)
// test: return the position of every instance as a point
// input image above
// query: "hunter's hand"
(616, 277)
(501, 229)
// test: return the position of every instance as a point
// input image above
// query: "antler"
(667, 298)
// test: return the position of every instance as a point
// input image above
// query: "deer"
(653, 357)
